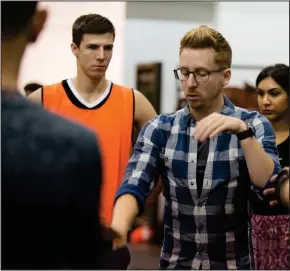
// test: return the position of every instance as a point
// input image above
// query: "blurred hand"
(120, 241)
(271, 191)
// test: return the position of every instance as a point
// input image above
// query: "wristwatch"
(246, 134)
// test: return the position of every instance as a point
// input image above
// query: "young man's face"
(206, 88)
(94, 54)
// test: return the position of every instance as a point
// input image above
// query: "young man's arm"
(36, 96)
(141, 177)
(144, 112)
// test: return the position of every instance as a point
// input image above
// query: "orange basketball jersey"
(111, 118)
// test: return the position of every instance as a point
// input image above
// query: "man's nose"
(191, 81)
(101, 53)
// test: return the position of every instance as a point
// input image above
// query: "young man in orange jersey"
(92, 100)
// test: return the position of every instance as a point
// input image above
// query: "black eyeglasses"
(200, 75)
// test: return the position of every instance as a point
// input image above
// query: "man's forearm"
(260, 165)
(125, 212)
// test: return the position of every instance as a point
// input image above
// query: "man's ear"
(74, 49)
(227, 77)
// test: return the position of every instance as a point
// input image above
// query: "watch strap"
(245, 134)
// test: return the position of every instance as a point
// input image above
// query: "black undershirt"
(202, 154)
(283, 149)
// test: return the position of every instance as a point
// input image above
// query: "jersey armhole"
(133, 118)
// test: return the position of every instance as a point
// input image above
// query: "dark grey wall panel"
(181, 11)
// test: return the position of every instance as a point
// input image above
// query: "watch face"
(249, 125)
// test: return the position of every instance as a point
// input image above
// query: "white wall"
(50, 59)
(257, 32)
(152, 33)
(241, 76)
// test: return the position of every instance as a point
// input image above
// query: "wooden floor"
(144, 256)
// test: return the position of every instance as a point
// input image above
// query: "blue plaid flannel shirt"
(212, 230)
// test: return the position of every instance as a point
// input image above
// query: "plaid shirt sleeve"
(141, 174)
(266, 137)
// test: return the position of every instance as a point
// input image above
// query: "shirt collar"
(228, 110)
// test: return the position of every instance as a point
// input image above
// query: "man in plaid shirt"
(208, 154)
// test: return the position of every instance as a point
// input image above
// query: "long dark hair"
(278, 72)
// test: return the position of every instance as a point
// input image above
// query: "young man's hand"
(271, 191)
(120, 242)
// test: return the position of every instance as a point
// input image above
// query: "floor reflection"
(144, 256)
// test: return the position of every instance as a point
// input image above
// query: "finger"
(199, 128)
(118, 243)
(273, 178)
(204, 122)
(269, 191)
(273, 202)
(204, 126)
(211, 127)
(221, 128)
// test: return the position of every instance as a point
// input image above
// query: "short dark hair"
(31, 87)
(278, 72)
(91, 24)
(13, 22)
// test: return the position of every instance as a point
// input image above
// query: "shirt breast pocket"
(227, 166)
(175, 164)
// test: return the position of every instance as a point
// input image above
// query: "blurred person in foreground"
(269, 223)
(207, 156)
(51, 168)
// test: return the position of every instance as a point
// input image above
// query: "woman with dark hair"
(269, 223)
